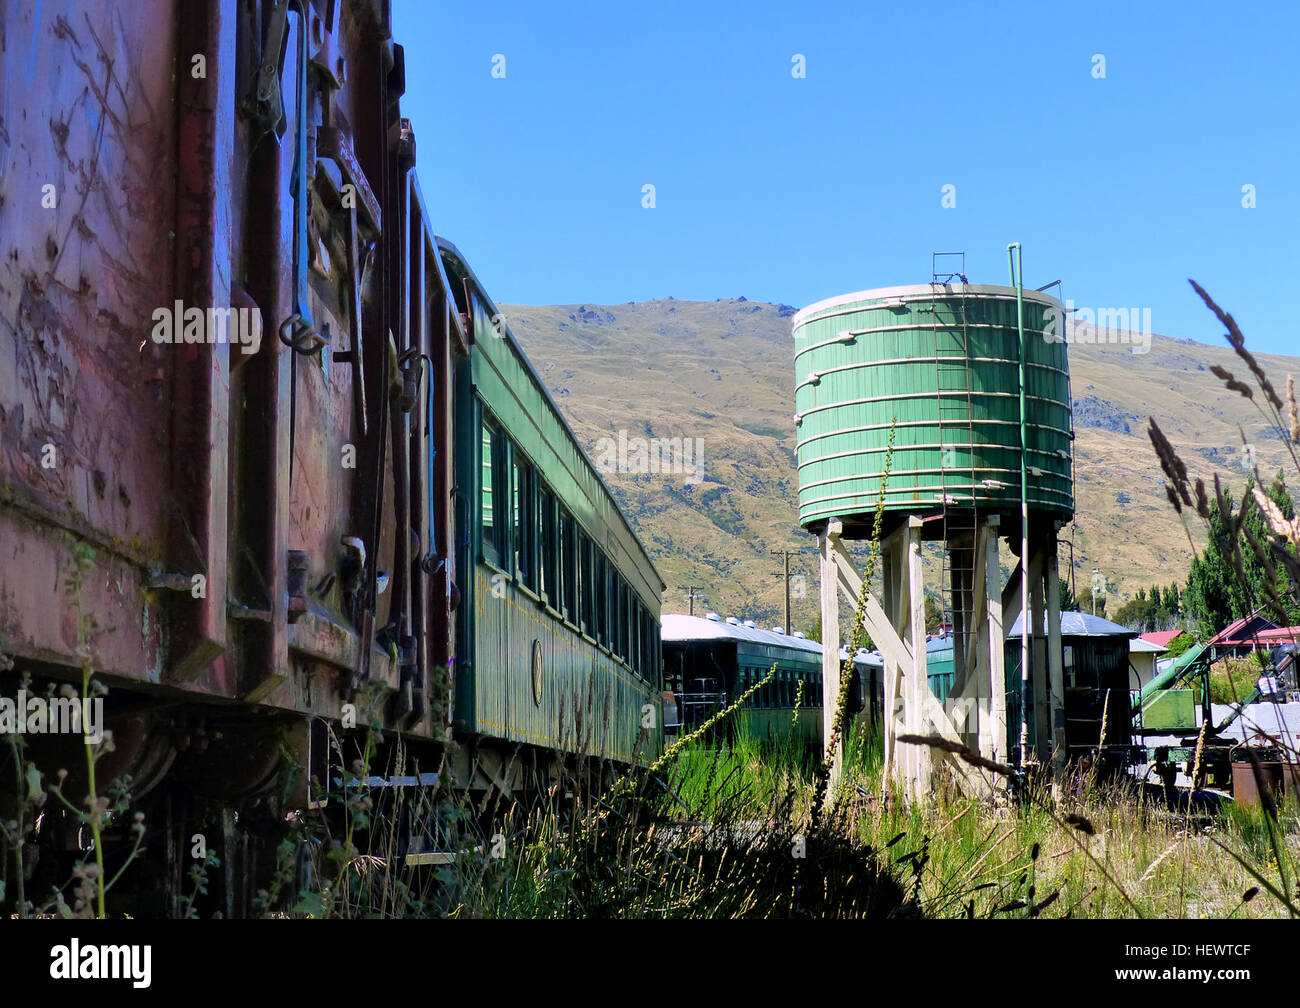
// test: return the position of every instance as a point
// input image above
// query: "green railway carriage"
(709, 662)
(558, 621)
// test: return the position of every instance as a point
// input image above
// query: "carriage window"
(620, 616)
(656, 655)
(615, 611)
(571, 561)
(611, 601)
(525, 522)
(643, 642)
(624, 637)
(588, 579)
(605, 601)
(608, 602)
(598, 567)
(568, 572)
(629, 632)
(549, 554)
(493, 475)
(629, 624)
(651, 671)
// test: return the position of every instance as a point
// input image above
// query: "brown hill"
(722, 372)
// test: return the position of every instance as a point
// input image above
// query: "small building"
(1164, 638)
(1282, 635)
(1245, 635)
(1098, 677)
(1143, 655)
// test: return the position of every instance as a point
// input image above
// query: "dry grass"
(1103, 852)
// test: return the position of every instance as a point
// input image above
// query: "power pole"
(785, 573)
(691, 595)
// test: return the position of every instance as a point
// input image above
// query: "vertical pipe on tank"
(1016, 264)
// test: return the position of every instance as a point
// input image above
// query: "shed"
(1242, 636)
(1142, 656)
(1098, 676)
(1163, 638)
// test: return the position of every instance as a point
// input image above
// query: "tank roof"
(919, 292)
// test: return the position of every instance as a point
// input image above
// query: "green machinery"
(1166, 706)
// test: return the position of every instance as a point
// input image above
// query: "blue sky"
(792, 190)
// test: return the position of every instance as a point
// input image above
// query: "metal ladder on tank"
(959, 514)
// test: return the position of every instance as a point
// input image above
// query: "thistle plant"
(855, 640)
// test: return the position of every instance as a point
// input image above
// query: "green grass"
(729, 833)
(1126, 857)
(1232, 680)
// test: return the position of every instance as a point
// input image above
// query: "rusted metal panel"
(200, 371)
(228, 513)
(86, 120)
(138, 174)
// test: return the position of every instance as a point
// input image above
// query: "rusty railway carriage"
(369, 505)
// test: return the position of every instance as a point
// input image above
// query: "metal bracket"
(297, 331)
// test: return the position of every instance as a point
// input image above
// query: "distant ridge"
(722, 371)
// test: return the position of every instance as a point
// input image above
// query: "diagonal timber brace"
(919, 712)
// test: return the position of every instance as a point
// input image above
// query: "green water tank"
(941, 362)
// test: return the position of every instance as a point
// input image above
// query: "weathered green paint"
(1170, 710)
(898, 355)
(940, 672)
(588, 701)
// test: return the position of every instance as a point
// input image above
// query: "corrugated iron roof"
(681, 627)
(1235, 632)
(1282, 635)
(1080, 624)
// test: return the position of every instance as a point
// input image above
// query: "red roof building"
(1162, 638)
(1250, 634)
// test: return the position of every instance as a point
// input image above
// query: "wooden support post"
(828, 542)
(1011, 596)
(898, 630)
(1042, 709)
(971, 713)
(964, 618)
(892, 664)
(995, 642)
(1055, 666)
(918, 685)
